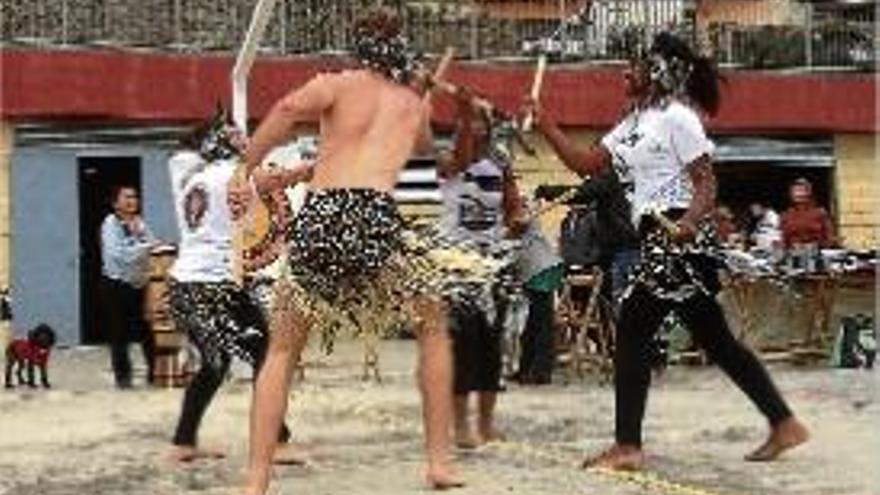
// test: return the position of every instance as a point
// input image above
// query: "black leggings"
(640, 318)
(198, 396)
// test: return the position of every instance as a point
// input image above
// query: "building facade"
(74, 120)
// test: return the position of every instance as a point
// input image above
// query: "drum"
(167, 368)
(267, 220)
(264, 236)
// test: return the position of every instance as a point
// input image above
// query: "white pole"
(245, 60)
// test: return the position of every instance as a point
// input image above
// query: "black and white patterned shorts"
(341, 239)
(220, 319)
(353, 261)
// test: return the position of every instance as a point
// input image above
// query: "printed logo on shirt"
(656, 148)
(632, 138)
(195, 205)
(475, 215)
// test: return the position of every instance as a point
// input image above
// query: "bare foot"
(491, 435)
(617, 458)
(784, 436)
(443, 477)
(467, 440)
(257, 484)
(188, 453)
(291, 454)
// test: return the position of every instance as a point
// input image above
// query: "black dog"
(30, 353)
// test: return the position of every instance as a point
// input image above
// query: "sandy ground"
(83, 437)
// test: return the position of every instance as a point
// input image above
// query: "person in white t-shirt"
(220, 318)
(767, 233)
(660, 148)
(481, 207)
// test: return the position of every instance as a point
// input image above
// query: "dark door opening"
(740, 184)
(97, 178)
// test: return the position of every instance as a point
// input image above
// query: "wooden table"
(818, 296)
(808, 303)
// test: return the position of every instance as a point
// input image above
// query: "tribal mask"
(670, 61)
(217, 142)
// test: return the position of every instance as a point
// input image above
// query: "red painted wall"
(155, 88)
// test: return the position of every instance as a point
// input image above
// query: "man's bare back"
(369, 127)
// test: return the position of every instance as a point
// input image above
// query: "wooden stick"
(539, 77)
(479, 102)
(444, 64)
(440, 71)
(536, 91)
(665, 223)
(571, 193)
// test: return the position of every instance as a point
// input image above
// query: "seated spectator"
(804, 222)
(766, 233)
(724, 224)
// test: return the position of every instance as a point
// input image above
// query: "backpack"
(580, 238)
(856, 343)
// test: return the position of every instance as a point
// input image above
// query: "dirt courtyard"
(85, 438)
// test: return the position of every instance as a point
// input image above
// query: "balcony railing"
(757, 34)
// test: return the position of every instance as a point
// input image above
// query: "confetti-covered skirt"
(220, 319)
(672, 270)
(354, 265)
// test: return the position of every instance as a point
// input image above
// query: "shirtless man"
(346, 248)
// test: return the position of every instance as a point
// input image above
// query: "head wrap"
(670, 62)
(501, 140)
(385, 51)
(216, 143)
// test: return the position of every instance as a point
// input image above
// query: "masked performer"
(220, 318)
(660, 146)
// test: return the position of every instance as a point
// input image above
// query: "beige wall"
(858, 193)
(758, 12)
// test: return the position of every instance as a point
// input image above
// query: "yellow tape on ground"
(648, 481)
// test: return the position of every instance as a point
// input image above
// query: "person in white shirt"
(660, 147)
(767, 233)
(481, 207)
(220, 318)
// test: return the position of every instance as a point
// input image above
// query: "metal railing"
(746, 33)
(833, 34)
